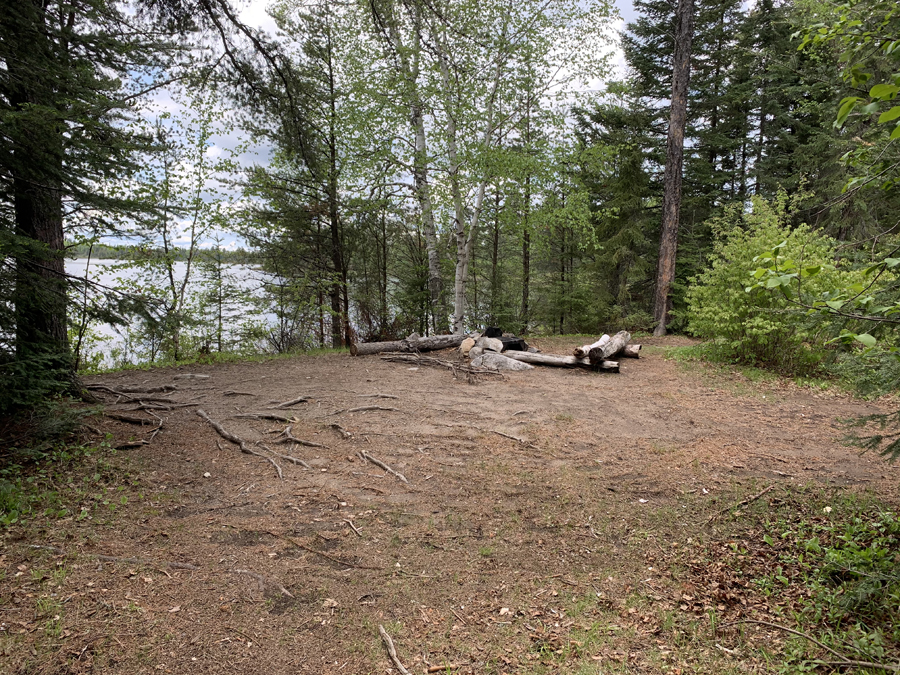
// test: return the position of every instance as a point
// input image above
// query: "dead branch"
(442, 669)
(132, 444)
(136, 390)
(745, 502)
(232, 392)
(241, 443)
(391, 651)
(377, 462)
(287, 437)
(341, 430)
(287, 458)
(353, 527)
(288, 404)
(110, 558)
(377, 396)
(803, 635)
(372, 407)
(263, 582)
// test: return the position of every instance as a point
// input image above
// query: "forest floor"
(610, 538)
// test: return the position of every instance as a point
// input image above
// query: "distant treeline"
(130, 252)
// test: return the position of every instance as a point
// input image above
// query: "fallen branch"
(747, 501)
(372, 407)
(376, 396)
(128, 395)
(353, 527)
(263, 582)
(240, 442)
(135, 390)
(377, 462)
(232, 392)
(391, 651)
(288, 404)
(287, 437)
(844, 661)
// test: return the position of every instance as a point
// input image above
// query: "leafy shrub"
(760, 328)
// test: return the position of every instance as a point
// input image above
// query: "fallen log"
(582, 352)
(562, 361)
(631, 351)
(615, 345)
(413, 343)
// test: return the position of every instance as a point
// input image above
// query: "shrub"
(760, 328)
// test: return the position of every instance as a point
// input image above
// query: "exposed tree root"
(391, 651)
(377, 462)
(111, 558)
(288, 404)
(240, 442)
(287, 437)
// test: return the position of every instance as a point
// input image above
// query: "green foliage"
(759, 328)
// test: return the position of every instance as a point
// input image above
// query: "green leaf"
(895, 134)
(889, 115)
(866, 339)
(835, 304)
(891, 262)
(885, 92)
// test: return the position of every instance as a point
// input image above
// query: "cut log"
(582, 352)
(413, 343)
(631, 351)
(496, 361)
(562, 361)
(615, 345)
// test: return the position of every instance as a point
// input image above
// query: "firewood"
(615, 345)
(582, 352)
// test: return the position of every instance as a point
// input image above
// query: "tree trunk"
(413, 343)
(668, 244)
(562, 361)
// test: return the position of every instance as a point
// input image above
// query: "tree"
(668, 245)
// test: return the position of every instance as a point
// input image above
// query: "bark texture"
(668, 243)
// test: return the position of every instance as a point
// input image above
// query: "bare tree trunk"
(668, 244)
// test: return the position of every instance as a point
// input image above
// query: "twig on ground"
(353, 527)
(376, 396)
(391, 651)
(786, 630)
(232, 392)
(240, 442)
(441, 669)
(377, 462)
(372, 407)
(288, 404)
(745, 502)
(510, 436)
(166, 388)
(263, 582)
(287, 437)
(129, 395)
(132, 444)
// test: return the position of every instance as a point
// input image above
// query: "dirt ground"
(545, 523)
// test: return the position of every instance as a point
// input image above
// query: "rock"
(466, 345)
(534, 350)
(475, 352)
(492, 344)
(499, 362)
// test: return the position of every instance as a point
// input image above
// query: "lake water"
(111, 343)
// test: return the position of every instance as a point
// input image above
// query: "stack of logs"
(596, 356)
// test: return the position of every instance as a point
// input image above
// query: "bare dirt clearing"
(570, 550)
